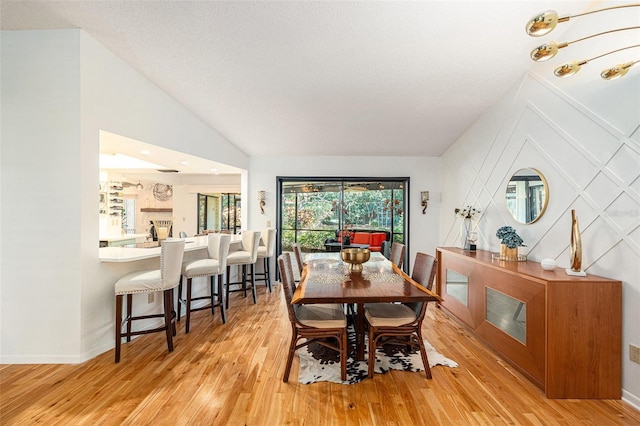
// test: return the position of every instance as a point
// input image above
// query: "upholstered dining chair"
(163, 280)
(266, 250)
(389, 321)
(312, 323)
(397, 254)
(247, 255)
(213, 267)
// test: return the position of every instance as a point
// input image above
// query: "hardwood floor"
(232, 375)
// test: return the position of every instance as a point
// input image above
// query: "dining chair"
(213, 267)
(312, 323)
(397, 254)
(165, 280)
(390, 321)
(299, 256)
(266, 250)
(247, 255)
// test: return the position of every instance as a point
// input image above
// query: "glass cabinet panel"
(507, 313)
(457, 286)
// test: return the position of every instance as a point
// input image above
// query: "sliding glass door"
(311, 211)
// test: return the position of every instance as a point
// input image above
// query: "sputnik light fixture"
(543, 23)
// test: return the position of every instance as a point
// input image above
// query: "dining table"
(326, 278)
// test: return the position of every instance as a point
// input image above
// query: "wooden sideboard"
(563, 332)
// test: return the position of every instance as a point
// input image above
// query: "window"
(313, 210)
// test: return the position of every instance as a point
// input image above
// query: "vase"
(576, 244)
(465, 229)
(508, 253)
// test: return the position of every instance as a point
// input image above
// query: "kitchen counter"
(130, 254)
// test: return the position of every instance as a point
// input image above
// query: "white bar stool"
(214, 266)
(266, 250)
(164, 279)
(247, 255)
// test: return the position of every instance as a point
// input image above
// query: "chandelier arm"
(599, 34)
(606, 8)
(612, 51)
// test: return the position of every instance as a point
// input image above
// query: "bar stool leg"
(253, 283)
(129, 314)
(167, 318)
(188, 307)
(223, 311)
(118, 326)
(228, 281)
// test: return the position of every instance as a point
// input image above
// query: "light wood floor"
(232, 375)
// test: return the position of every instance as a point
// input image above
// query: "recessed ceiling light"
(145, 152)
(184, 163)
(214, 170)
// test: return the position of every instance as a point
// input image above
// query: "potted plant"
(510, 241)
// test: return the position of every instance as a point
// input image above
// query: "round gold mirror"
(527, 195)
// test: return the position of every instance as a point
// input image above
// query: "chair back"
(171, 254)
(424, 272)
(288, 282)
(250, 243)
(298, 253)
(268, 237)
(397, 254)
(219, 248)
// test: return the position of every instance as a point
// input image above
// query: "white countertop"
(129, 254)
(121, 237)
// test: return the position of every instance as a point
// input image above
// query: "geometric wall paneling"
(590, 166)
(602, 190)
(625, 164)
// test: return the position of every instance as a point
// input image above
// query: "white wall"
(424, 173)
(591, 161)
(59, 89)
(41, 199)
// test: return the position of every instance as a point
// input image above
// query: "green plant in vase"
(510, 241)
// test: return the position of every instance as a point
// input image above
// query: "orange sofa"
(373, 238)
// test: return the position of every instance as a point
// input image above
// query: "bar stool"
(247, 255)
(266, 250)
(164, 279)
(212, 267)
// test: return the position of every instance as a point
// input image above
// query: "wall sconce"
(262, 196)
(424, 196)
(543, 23)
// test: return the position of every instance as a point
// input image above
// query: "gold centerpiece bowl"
(355, 257)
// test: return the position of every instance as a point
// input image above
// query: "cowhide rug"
(320, 364)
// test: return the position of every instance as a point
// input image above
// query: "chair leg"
(213, 294)
(188, 306)
(372, 353)
(343, 355)
(244, 280)
(178, 308)
(118, 326)
(228, 281)
(292, 351)
(129, 315)
(223, 311)
(253, 283)
(423, 353)
(168, 305)
(266, 271)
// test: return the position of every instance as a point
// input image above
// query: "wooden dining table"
(327, 279)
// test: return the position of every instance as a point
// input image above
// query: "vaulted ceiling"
(316, 78)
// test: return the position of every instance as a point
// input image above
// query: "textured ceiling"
(315, 78)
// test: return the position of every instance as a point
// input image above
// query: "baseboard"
(41, 359)
(631, 399)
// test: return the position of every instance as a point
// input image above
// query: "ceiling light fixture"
(543, 23)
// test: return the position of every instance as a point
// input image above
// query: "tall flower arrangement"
(469, 216)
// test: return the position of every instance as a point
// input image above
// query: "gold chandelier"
(543, 23)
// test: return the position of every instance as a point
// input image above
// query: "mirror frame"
(546, 194)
